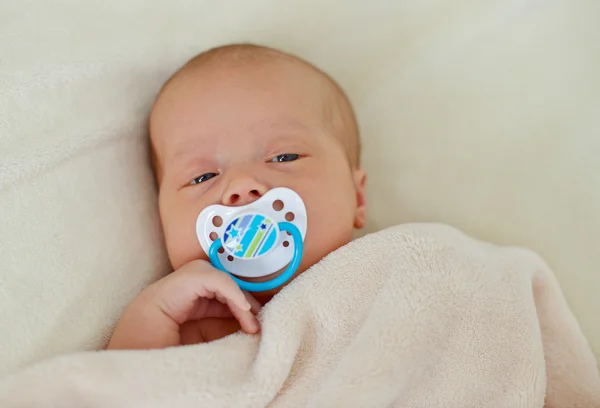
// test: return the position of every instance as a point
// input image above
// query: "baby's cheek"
(327, 231)
(181, 241)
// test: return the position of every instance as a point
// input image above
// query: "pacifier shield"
(250, 236)
(251, 239)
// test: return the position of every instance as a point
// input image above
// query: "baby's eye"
(203, 178)
(285, 158)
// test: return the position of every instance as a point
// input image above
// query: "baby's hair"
(338, 113)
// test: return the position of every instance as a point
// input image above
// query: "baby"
(233, 123)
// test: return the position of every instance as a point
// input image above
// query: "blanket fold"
(418, 315)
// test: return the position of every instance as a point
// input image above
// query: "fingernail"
(255, 325)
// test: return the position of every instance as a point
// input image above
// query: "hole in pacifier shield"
(250, 236)
(217, 221)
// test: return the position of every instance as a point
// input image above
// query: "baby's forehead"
(290, 90)
(326, 97)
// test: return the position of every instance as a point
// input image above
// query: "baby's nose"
(243, 192)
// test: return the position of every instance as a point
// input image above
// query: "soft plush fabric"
(481, 114)
(413, 316)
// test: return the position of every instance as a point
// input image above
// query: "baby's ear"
(360, 179)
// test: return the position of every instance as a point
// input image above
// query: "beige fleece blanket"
(413, 316)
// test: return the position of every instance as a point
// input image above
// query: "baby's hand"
(193, 292)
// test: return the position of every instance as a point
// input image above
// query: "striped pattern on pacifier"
(257, 239)
(250, 236)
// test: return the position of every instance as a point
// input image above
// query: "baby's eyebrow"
(186, 158)
(278, 125)
(272, 131)
(274, 134)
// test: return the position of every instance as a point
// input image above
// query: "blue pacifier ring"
(278, 280)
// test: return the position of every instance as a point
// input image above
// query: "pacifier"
(257, 239)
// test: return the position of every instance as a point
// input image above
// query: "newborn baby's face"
(228, 135)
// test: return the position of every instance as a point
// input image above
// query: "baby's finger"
(210, 308)
(225, 288)
(255, 305)
(248, 322)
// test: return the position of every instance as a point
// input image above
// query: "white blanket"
(413, 316)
